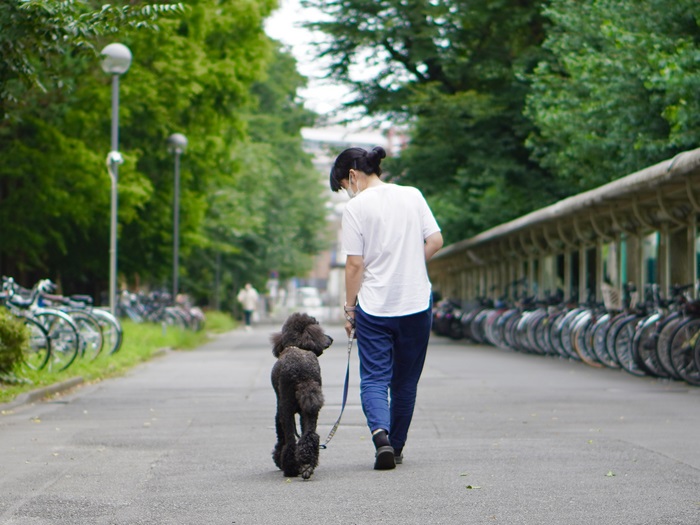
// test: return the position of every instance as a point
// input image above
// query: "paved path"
(186, 439)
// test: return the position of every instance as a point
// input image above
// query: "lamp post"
(177, 143)
(116, 61)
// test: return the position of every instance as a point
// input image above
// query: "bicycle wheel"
(111, 329)
(530, 336)
(454, 331)
(622, 345)
(39, 350)
(682, 355)
(644, 345)
(583, 340)
(609, 342)
(91, 340)
(467, 323)
(695, 379)
(477, 328)
(568, 333)
(510, 335)
(542, 343)
(490, 324)
(663, 346)
(600, 332)
(555, 334)
(170, 317)
(64, 336)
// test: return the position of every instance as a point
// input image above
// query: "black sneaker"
(398, 458)
(385, 458)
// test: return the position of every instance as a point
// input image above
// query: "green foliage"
(14, 337)
(512, 105)
(454, 72)
(206, 70)
(618, 91)
(271, 216)
(37, 34)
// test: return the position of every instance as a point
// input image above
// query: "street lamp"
(177, 143)
(116, 61)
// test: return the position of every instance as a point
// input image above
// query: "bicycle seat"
(21, 301)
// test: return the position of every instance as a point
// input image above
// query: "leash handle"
(345, 393)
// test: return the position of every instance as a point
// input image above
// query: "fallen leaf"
(464, 474)
(610, 474)
(470, 487)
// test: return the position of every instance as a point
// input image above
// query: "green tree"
(453, 72)
(273, 217)
(53, 184)
(37, 35)
(209, 72)
(618, 91)
(194, 76)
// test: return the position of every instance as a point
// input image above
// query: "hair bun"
(378, 153)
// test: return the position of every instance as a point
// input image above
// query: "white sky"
(285, 26)
(321, 96)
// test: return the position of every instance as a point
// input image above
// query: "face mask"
(352, 194)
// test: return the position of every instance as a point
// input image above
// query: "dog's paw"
(306, 471)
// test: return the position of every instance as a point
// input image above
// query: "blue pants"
(392, 354)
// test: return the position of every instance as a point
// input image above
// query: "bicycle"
(62, 330)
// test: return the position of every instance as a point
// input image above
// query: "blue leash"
(345, 393)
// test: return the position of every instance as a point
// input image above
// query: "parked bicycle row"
(652, 336)
(158, 307)
(62, 328)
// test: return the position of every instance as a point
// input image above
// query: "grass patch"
(141, 342)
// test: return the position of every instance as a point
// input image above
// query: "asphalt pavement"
(497, 437)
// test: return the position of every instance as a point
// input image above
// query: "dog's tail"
(310, 396)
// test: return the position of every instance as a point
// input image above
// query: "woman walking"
(389, 233)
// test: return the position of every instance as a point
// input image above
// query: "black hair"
(358, 159)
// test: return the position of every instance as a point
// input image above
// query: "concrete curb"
(41, 393)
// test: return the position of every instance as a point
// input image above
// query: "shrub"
(14, 336)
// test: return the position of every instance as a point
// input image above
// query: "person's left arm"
(432, 244)
(431, 231)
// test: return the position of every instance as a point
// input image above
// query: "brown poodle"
(296, 378)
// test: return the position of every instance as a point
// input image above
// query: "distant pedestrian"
(388, 234)
(248, 297)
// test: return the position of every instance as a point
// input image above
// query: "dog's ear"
(277, 344)
(314, 339)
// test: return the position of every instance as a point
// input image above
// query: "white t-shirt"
(387, 225)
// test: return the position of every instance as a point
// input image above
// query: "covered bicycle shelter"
(642, 228)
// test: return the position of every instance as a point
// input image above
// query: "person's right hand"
(350, 325)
